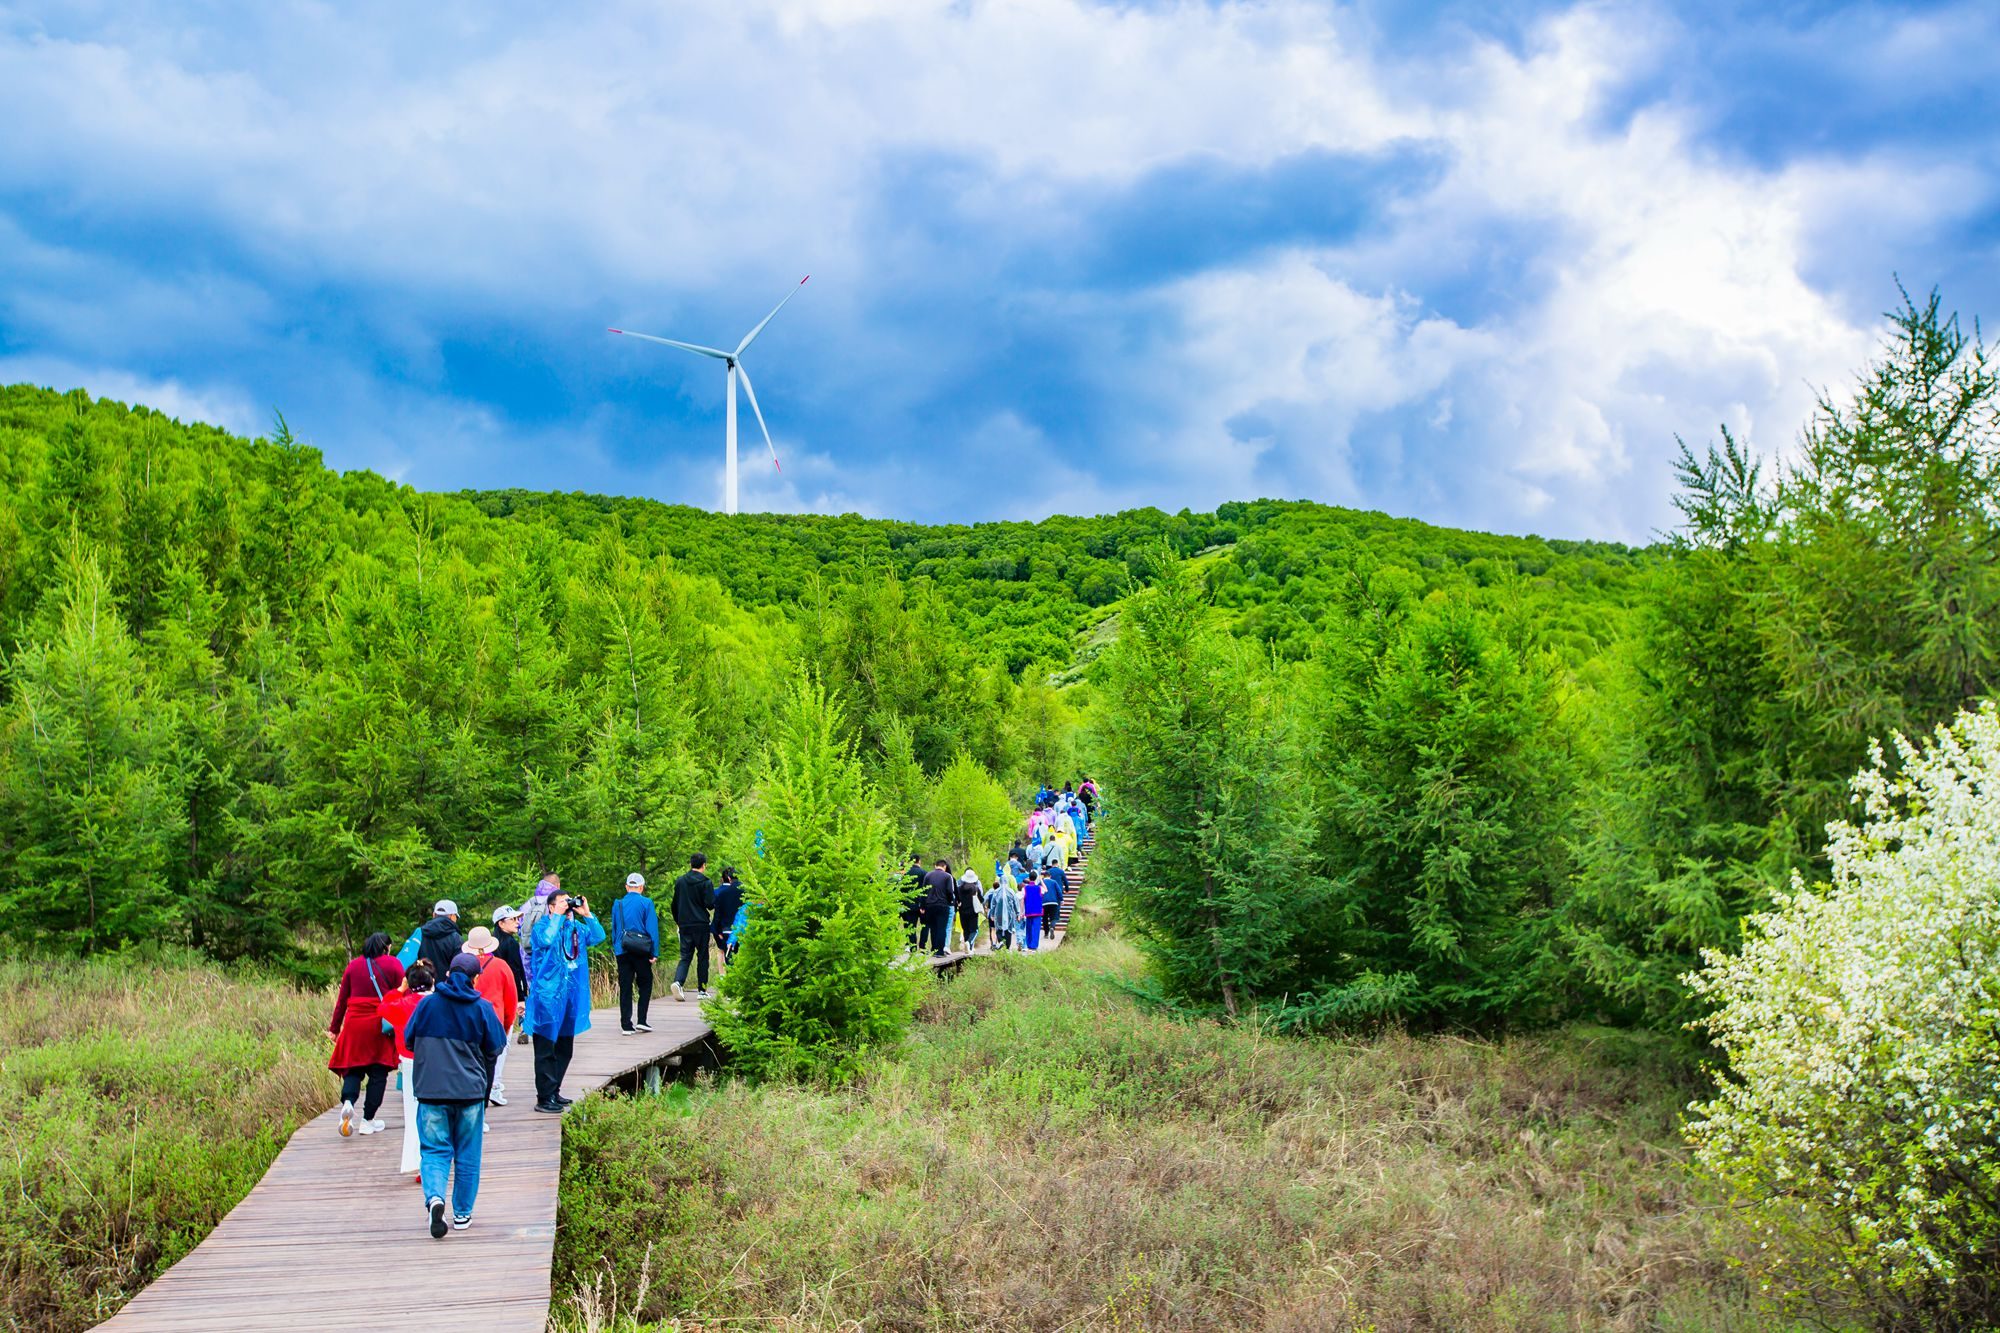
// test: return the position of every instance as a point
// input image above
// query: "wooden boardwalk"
(334, 1238)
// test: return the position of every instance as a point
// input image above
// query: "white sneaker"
(675, 987)
(497, 1099)
(643, 1027)
(346, 1119)
(371, 1127)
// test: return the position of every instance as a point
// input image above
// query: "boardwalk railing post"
(652, 1080)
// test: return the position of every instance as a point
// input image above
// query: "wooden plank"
(335, 1236)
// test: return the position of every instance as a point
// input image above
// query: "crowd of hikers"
(443, 1012)
(945, 912)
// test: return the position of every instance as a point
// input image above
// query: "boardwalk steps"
(1052, 937)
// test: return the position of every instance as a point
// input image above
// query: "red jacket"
(357, 1017)
(397, 1007)
(496, 983)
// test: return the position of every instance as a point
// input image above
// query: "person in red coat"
(362, 1049)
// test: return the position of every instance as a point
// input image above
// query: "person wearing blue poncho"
(559, 991)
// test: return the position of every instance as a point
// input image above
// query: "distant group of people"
(1029, 883)
(440, 1012)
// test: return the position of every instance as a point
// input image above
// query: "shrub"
(1859, 1115)
(815, 987)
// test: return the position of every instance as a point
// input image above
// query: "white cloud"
(217, 405)
(539, 165)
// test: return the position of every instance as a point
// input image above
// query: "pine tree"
(1445, 793)
(815, 989)
(90, 816)
(1209, 855)
(971, 814)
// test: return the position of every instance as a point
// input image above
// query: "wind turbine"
(733, 360)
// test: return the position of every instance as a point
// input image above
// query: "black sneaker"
(565, 1101)
(548, 1108)
(460, 1221)
(644, 1027)
(437, 1219)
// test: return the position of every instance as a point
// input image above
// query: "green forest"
(1366, 778)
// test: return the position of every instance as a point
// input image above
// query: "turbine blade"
(669, 342)
(751, 394)
(751, 336)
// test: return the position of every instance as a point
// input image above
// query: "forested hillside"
(251, 702)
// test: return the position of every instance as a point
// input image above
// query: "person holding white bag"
(396, 1010)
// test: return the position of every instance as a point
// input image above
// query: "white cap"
(445, 907)
(504, 913)
(635, 880)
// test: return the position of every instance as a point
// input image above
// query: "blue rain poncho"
(559, 990)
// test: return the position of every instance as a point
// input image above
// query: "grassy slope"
(138, 1103)
(1051, 1155)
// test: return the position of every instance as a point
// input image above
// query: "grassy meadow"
(1049, 1153)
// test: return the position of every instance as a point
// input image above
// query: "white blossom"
(1858, 1112)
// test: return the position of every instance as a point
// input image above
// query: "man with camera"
(559, 991)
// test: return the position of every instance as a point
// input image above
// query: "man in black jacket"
(694, 904)
(940, 894)
(439, 940)
(454, 1037)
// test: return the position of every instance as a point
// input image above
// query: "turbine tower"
(736, 370)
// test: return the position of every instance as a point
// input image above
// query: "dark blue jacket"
(728, 901)
(454, 1037)
(635, 911)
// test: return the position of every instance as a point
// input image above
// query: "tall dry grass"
(139, 1101)
(1050, 1155)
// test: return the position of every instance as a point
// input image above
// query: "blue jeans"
(451, 1133)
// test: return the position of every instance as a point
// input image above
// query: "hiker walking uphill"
(440, 940)
(454, 1037)
(635, 933)
(728, 906)
(940, 897)
(559, 991)
(364, 1050)
(694, 905)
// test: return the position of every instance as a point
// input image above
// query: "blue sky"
(1477, 263)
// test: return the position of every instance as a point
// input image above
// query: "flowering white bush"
(1858, 1115)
